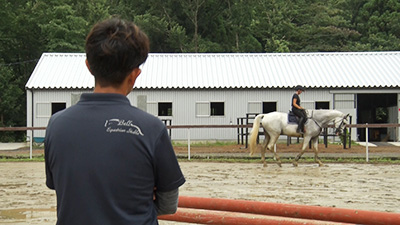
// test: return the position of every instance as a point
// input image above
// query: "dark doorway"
(373, 108)
(57, 106)
(321, 105)
(165, 109)
(217, 108)
(269, 107)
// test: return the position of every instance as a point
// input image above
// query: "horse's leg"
(267, 139)
(270, 147)
(316, 158)
(303, 149)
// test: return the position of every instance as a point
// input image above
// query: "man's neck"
(110, 90)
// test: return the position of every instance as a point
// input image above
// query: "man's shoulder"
(145, 117)
(61, 113)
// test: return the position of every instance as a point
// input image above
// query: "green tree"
(62, 29)
(164, 37)
(321, 26)
(20, 47)
(273, 26)
(10, 105)
(378, 22)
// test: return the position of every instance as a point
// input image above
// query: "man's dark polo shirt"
(103, 157)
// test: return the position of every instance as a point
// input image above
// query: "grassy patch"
(224, 159)
(21, 158)
(236, 159)
(203, 143)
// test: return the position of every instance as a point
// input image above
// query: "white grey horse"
(276, 123)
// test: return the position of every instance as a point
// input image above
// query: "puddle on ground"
(12, 214)
(12, 185)
(23, 214)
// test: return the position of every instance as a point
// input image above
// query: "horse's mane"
(326, 114)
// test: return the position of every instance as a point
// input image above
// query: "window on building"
(57, 106)
(254, 107)
(321, 105)
(43, 109)
(202, 109)
(165, 109)
(206, 109)
(217, 108)
(269, 107)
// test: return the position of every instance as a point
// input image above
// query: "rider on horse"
(297, 109)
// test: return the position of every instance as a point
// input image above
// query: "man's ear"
(134, 75)
(137, 72)
(88, 66)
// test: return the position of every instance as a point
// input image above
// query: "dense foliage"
(30, 27)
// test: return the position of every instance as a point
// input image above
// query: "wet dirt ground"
(26, 200)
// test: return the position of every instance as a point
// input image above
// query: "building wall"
(237, 103)
(39, 106)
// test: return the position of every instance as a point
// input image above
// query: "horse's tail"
(254, 133)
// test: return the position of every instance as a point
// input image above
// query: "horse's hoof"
(295, 164)
(279, 164)
(264, 165)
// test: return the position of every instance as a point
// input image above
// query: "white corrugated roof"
(271, 70)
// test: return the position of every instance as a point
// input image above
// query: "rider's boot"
(300, 128)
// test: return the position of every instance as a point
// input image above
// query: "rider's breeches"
(302, 115)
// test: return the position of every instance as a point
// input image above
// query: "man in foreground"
(109, 162)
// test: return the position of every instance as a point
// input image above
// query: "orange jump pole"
(292, 210)
(200, 216)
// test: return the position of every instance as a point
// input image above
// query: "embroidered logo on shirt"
(122, 126)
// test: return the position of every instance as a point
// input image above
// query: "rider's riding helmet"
(299, 87)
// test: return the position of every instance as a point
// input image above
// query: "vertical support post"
(247, 129)
(30, 143)
(170, 130)
(238, 130)
(188, 143)
(242, 130)
(350, 132)
(366, 142)
(345, 138)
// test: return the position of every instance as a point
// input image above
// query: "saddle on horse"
(292, 118)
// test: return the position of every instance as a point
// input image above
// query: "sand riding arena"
(365, 186)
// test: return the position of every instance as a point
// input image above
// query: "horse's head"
(341, 124)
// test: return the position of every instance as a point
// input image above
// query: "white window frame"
(203, 109)
(43, 107)
(257, 106)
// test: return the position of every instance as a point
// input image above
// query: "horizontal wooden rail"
(372, 125)
(209, 126)
(21, 128)
(292, 210)
(233, 218)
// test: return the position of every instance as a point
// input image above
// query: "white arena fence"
(190, 127)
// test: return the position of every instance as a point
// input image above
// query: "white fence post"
(30, 143)
(188, 143)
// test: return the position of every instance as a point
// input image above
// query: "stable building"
(216, 89)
